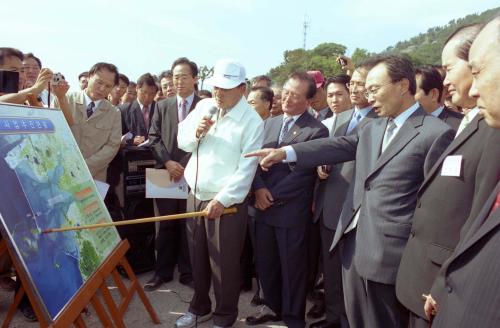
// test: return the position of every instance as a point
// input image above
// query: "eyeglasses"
(373, 90)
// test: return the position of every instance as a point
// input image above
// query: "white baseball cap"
(228, 74)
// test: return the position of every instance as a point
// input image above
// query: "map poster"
(46, 184)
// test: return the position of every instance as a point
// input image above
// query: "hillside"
(426, 47)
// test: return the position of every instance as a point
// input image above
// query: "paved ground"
(170, 302)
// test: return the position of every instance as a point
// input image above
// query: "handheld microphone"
(211, 112)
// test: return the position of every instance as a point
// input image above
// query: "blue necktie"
(354, 122)
(285, 128)
(90, 109)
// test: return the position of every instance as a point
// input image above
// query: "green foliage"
(427, 47)
(424, 48)
(322, 58)
(360, 55)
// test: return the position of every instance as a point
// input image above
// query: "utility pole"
(305, 26)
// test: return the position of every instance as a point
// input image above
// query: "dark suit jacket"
(132, 119)
(292, 189)
(467, 286)
(444, 204)
(386, 185)
(163, 132)
(451, 118)
(334, 188)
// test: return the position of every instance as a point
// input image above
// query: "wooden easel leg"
(101, 312)
(13, 307)
(140, 291)
(119, 283)
(108, 299)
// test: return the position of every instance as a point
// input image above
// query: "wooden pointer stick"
(137, 221)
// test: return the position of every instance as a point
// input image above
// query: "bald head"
(485, 68)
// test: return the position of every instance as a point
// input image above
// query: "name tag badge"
(452, 166)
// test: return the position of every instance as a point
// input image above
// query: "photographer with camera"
(12, 77)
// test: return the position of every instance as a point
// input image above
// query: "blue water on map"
(56, 273)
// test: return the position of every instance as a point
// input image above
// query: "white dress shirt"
(189, 100)
(88, 101)
(467, 119)
(223, 173)
(329, 122)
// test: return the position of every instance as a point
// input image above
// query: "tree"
(321, 58)
(360, 55)
(204, 73)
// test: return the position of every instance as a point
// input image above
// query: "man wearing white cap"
(219, 177)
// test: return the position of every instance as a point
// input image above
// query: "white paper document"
(158, 185)
(145, 143)
(102, 188)
(452, 166)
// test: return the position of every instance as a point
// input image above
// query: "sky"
(147, 36)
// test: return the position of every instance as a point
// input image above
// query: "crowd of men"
(373, 194)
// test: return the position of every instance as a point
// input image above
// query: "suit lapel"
(377, 136)
(405, 134)
(99, 110)
(444, 115)
(461, 138)
(275, 128)
(136, 114)
(194, 102)
(296, 128)
(480, 227)
(341, 124)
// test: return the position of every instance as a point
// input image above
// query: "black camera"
(9, 81)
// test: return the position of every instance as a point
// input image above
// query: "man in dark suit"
(171, 242)
(438, 221)
(466, 288)
(392, 155)
(333, 187)
(321, 111)
(137, 115)
(430, 96)
(283, 202)
(465, 292)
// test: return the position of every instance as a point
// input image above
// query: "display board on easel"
(47, 184)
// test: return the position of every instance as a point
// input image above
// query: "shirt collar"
(472, 113)
(189, 100)
(88, 100)
(236, 112)
(438, 111)
(294, 117)
(401, 118)
(362, 111)
(142, 106)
